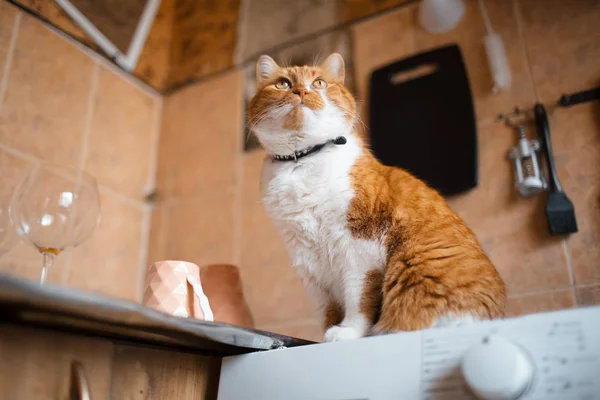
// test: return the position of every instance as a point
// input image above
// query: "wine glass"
(55, 208)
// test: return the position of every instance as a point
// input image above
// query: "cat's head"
(298, 107)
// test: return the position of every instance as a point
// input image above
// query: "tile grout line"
(567, 252)
(209, 193)
(240, 27)
(165, 226)
(576, 298)
(89, 115)
(12, 44)
(155, 146)
(138, 204)
(87, 128)
(173, 201)
(19, 154)
(553, 290)
(587, 284)
(237, 212)
(102, 189)
(238, 188)
(150, 186)
(521, 32)
(144, 247)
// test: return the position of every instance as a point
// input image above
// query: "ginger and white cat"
(377, 249)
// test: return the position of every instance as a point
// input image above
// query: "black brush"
(560, 211)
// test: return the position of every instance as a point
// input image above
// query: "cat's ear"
(265, 68)
(334, 64)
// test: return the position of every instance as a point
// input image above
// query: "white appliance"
(542, 356)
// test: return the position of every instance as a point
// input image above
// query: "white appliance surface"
(563, 349)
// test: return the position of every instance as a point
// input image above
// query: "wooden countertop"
(62, 308)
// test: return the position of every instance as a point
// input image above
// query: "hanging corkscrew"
(529, 179)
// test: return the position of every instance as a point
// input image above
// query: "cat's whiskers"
(317, 58)
(359, 118)
(287, 62)
(274, 112)
(355, 116)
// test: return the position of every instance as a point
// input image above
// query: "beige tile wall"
(61, 104)
(196, 217)
(553, 48)
(210, 207)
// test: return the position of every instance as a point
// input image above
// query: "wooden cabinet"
(37, 364)
(140, 373)
(45, 331)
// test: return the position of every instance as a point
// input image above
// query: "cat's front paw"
(339, 333)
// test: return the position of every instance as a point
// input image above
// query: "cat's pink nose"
(300, 91)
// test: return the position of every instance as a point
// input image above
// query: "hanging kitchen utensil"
(529, 180)
(422, 119)
(560, 211)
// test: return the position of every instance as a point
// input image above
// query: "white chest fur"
(308, 201)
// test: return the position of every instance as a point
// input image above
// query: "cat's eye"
(319, 83)
(283, 84)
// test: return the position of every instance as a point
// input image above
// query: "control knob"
(497, 369)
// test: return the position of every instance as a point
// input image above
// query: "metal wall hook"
(519, 116)
(516, 118)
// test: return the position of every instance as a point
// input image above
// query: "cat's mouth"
(313, 103)
(296, 102)
(303, 106)
(298, 107)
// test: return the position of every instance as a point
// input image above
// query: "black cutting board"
(422, 119)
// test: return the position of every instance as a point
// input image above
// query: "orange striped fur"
(435, 264)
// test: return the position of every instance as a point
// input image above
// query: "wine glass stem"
(46, 263)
